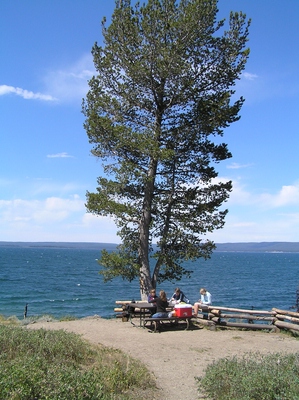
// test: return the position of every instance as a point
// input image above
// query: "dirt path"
(175, 356)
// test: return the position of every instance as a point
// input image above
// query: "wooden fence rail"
(282, 315)
(214, 316)
(273, 320)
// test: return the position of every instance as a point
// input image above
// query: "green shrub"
(42, 364)
(253, 377)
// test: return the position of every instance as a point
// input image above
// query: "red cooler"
(183, 310)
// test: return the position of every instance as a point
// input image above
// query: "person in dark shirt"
(152, 297)
(162, 304)
(178, 296)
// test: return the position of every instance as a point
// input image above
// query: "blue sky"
(45, 162)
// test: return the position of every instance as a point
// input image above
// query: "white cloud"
(238, 166)
(25, 94)
(66, 84)
(71, 83)
(53, 219)
(239, 194)
(249, 76)
(59, 155)
(42, 188)
(39, 211)
(267, 230)
(253, 216)
(287, 196)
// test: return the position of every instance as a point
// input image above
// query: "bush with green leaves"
(42, 364)
(253, 377)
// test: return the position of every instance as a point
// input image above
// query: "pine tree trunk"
(145, 273)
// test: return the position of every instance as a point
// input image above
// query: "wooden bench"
(128, 314)
(156, 321)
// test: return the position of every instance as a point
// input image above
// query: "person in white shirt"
(205, 299)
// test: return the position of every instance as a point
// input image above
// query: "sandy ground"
(175, 356)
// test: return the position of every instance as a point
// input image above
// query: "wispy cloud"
(249, 76)
(47, 210)
(53, 219)
(238, 166)
(25, 94)
(67, 84)
(287, 196)
(71, 83)
(284, 198)
(255, 228)
(256, 216)
(60, 155)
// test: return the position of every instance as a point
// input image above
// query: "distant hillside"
(59, 245)
(285, 247)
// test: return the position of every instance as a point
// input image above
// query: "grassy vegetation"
(13, 320)
(253, 377)
(42, 364)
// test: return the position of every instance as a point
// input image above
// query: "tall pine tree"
(155, 111)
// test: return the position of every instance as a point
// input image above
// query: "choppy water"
(65, 281)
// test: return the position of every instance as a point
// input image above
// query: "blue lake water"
(65, 281)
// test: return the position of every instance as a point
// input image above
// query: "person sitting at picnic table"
(152, 297)
(162, 304)
(178, 296)
(205, 300)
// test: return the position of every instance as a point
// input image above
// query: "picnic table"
(156, 322)
(143, 308)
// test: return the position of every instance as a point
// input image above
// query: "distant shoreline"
(261, 247)
(59, 245)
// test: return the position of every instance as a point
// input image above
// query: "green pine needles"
(155, 114)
